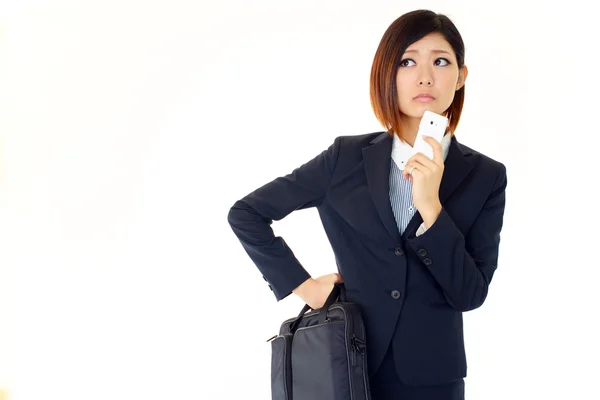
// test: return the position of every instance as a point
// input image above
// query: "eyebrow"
(433, 51)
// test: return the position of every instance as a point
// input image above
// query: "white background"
(128, 129)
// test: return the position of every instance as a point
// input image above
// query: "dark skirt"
(385, 385)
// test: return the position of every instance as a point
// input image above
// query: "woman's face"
(428, 66)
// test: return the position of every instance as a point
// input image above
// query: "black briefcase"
(321, 354)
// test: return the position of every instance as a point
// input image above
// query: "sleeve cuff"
(435, 245)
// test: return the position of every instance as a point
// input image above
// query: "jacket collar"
(377, 158)
(402, 151)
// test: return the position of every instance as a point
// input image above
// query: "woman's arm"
(464, 266)
(251, 218)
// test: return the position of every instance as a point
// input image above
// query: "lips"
(424, 96)
(424, 99)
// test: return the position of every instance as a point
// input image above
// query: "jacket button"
(422, 252)
(398, 251)
(270, 287)
(427, 261)
(265, 278)
(395, 294)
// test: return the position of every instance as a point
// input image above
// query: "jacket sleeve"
(251, 217)
(464, 265)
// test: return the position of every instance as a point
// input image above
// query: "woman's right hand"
(315, 291)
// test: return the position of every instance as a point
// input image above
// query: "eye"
(402, 63)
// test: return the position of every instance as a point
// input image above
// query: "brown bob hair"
(404, 31)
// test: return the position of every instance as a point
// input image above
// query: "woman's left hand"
(426, 178)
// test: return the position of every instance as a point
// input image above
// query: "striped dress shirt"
(401, 189)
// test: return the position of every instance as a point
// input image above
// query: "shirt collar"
(401, 150)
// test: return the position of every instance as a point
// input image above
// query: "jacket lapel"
(377, 158)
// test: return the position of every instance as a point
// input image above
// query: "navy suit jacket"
(412, 290)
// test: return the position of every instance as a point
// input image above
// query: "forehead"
(430, 43)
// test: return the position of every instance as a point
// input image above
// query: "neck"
(410, 127)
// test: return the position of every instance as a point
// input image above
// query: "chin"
(418, 113)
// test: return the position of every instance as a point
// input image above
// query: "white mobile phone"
(433, 125)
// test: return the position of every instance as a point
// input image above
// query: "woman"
(415, 239)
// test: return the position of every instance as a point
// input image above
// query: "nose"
(426, 77)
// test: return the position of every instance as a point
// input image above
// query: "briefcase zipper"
(356, 344)
(364, 360)
(271, 338)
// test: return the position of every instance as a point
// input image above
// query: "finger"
(419, 169)
(438, 156)
(407, 167)
(425, 161)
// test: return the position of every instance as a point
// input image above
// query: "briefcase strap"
(338, 291)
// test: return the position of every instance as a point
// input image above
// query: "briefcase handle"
(339, 290)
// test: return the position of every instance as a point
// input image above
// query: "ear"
(462, 77)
